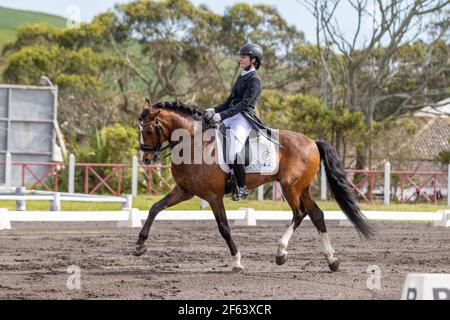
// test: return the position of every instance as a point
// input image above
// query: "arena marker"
(445, 221)
(426, 286)
(133, 220)
(5, 223)
(249, 218)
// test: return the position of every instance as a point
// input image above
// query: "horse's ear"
(147, 104)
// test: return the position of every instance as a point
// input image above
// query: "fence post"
(276, 191)
(134, 176)
(448, 186)
(56, 202)
(8, 168)
(387, 183)
(71, 182)
(20, 204)
(128, 204)
(261, 193)
(323, 182)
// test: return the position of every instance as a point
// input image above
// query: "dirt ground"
(190, 260)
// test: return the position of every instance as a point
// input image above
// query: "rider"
(238, 110)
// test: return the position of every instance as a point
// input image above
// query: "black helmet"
(254, 51)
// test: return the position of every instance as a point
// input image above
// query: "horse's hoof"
(280, 260)
(334, 266)
(140, 250)
(237, 269)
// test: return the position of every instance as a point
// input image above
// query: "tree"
(444, 156)
(79, 70)
(160, 49)
(360, 72)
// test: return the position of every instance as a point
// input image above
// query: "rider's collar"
(244, 72)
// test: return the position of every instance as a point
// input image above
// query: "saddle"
(260, 154)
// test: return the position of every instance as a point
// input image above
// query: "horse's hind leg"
(317, 218)
(291, 193)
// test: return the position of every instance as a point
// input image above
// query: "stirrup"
(241, 193)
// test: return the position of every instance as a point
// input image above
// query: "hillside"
(12, 19)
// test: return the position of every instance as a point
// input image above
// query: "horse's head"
(152, 134)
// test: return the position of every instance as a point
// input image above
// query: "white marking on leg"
(328, 250)
(284, 241)
(236, 263)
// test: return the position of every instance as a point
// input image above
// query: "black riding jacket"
(244, 93)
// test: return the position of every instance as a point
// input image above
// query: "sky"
(291, 10)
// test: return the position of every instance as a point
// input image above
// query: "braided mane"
(178, 107)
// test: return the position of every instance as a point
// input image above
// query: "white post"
(20, 204)
(249, 218)
(387, 183)
(71, 183)
(134, 177)
(133, 220)
(276, 191)
(5, 223)
(8, 168)
(203, 204)
(448, 186)
(56, 202)
(261, 193)
(323, 182)
(128, 204)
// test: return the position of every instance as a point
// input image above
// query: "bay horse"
(299, 163)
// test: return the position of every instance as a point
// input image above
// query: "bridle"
(157, 148)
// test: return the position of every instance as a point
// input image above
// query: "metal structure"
(28, 118)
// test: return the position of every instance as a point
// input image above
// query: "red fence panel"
(406, 186)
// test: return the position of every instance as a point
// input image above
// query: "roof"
(431, 139)
(442, 108)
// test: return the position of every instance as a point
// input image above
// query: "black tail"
(341, 188)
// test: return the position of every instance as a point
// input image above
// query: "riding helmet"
(254, 51)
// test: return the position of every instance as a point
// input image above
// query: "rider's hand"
(216, 118)
(209, 114)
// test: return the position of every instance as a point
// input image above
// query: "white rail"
(244, 216)
(56, 198)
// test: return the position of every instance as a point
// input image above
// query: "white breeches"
(240, 129)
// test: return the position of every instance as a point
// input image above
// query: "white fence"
(246, 216)
(21, 196)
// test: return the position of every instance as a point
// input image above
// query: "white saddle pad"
(263, 155)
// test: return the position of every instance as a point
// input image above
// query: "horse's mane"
(178, 107)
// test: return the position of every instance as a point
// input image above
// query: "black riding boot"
(241, 190)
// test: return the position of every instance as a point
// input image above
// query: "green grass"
(12, 19)
(145, 202)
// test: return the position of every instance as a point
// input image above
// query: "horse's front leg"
(224, 229)
(176, 196)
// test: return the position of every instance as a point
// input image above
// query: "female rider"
(238, 111)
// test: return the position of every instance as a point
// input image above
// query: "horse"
(299, 162)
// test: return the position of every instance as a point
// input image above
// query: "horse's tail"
(341, 188)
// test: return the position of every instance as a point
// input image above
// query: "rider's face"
(244, 61)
